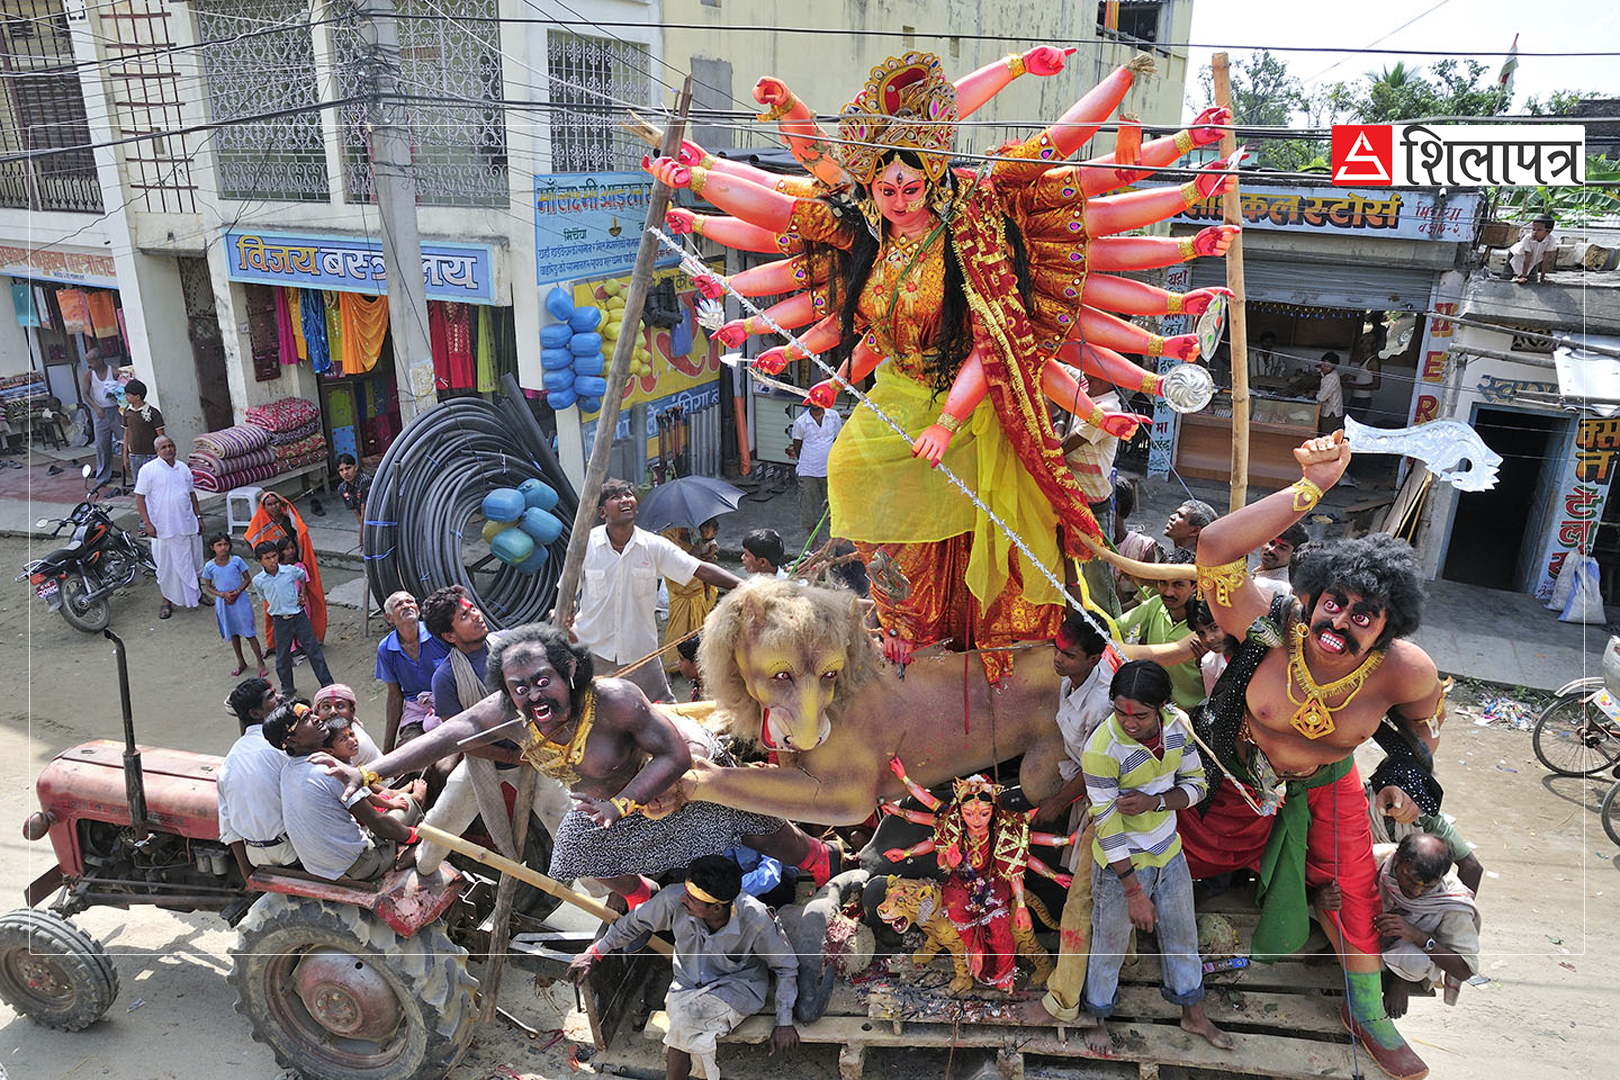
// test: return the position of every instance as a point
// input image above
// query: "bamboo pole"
(618, 374)
(1237, 320)
(607, 423)
(495, 861)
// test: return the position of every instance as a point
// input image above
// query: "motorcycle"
(98, 559)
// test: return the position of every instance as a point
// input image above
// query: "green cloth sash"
(1285, 920)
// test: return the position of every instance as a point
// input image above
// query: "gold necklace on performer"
(1313, 717)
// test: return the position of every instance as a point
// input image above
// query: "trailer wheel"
(337, 994)
(52, 972)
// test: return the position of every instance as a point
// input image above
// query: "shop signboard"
(690, 379)
(1432, 355)
(452, 271)
(589, 225)
(69, 267)
(1162, 439)
(1582, 490)
(1334, 211)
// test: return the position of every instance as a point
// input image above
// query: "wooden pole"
(618, 374)
(496, 861)
(568, 587)
(1237, 320)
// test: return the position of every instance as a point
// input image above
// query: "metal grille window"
(596, 79)
(458, 148)
(43, 110)
(283, 158)
(143, 87)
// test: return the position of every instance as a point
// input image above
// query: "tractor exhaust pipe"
(134, 783)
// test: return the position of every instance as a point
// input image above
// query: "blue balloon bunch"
(574, 367)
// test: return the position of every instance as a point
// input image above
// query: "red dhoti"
(1338, 847)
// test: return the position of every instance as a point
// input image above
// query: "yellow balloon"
(613, 288)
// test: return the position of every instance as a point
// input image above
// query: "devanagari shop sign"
(1335, 212)
(589, 225)
(1459, 155)
(452, 271)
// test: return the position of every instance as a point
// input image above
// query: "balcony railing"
(76, 191)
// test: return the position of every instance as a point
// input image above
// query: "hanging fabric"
(439, 345)
(295, 310)
(458, 339)
(484, 350)
(506, 349)
(286, 344)
(365, 324)
(312, 315)
(334, 331)
(103, 313)
(42, 307)
(75, 312)
(22, 298)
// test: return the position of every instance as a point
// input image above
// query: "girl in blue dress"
(225, 578)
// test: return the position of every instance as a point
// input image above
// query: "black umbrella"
(687, 503)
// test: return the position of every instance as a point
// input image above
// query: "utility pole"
(1238, 318)
(394, 180)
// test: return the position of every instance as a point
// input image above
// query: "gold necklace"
(1313, 717)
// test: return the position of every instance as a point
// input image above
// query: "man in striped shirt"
(1140, 768)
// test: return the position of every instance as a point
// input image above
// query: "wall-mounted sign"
(72, 267)
(452, 271)
(1330, 211)
(589, 224)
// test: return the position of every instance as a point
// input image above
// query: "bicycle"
(1579, 733)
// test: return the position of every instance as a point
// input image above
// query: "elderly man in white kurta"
(166, 499)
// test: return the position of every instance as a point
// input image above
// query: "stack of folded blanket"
(222, 460)
(295, 431)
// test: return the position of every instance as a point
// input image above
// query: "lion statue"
(794, 668)
(918, 902)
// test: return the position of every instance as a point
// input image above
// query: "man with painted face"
(619, 757)
(1314, 679)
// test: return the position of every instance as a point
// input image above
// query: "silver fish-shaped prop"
(1449, 449)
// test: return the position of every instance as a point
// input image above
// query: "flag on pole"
(1509, 66)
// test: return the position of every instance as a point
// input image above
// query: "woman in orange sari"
(274, 519)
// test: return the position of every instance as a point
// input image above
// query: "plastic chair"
(240, 506)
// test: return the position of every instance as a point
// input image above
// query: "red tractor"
(341, 981)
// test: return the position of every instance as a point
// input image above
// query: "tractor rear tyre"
(338, 995)
(52, 972)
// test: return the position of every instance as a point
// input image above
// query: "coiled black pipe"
(430, 485)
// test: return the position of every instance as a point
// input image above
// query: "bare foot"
(264, 672)
(1099, 1042)
(1193, 1020)
(1397, 995)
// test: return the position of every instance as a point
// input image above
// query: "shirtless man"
(620, 758)
(1304, 700)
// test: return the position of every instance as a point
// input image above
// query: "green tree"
(1266, 94)
(1403, 93)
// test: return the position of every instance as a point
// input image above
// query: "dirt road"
(1551, 903)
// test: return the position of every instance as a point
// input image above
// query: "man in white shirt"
(1534, 252)
(813, 435)
(619, 586)
(166, 499)
(1277, 560)
(249, 784)
(1329, 395)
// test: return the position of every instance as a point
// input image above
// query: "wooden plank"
(1285, 975)
(1256, 1055)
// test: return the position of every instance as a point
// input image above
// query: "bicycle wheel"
(1610, 812)
(1575, 738)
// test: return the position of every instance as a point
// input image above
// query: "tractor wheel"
(52, 972)
(338, 995)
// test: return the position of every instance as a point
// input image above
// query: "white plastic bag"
(1563, 583)
(1585, 603)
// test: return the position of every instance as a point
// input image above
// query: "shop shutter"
(1315, 284)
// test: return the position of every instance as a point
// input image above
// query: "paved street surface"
(1549, 904)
